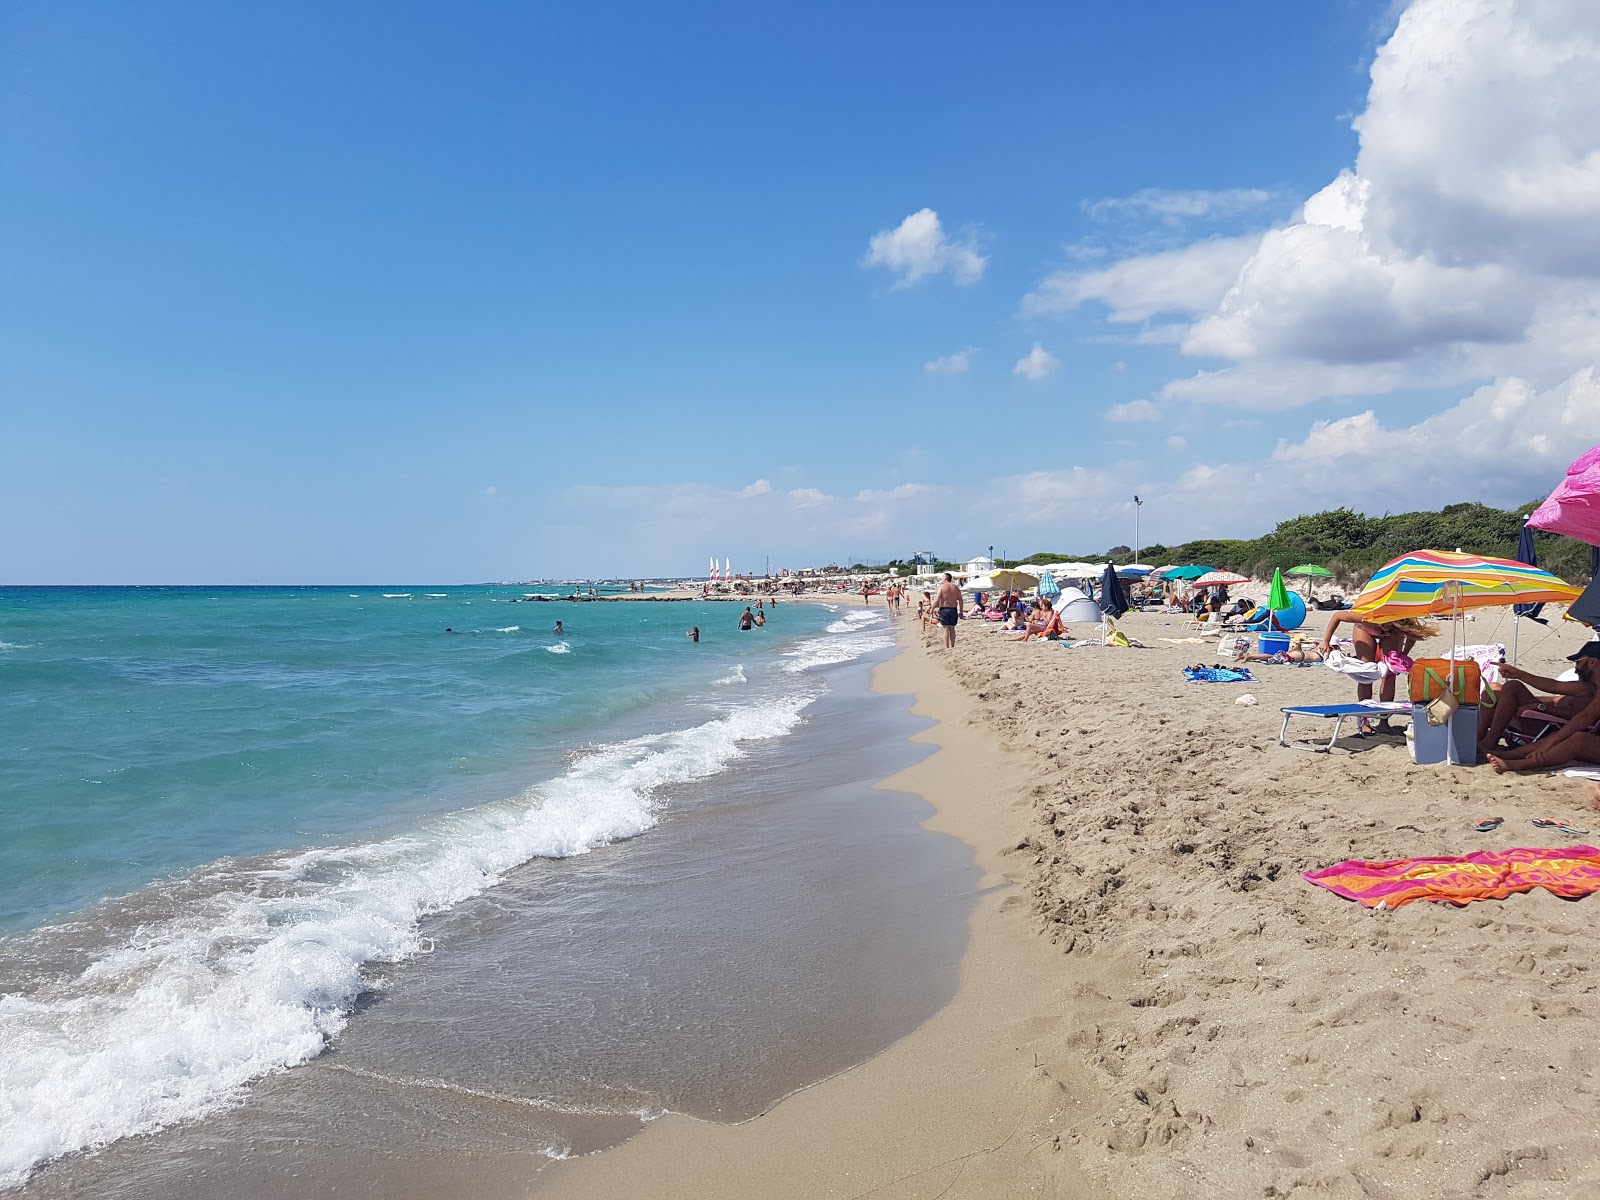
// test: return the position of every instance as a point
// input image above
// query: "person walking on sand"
(948, 602)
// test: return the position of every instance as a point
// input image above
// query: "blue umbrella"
(1112, 598)
(1048, 586)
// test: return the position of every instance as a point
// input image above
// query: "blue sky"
(310, 293)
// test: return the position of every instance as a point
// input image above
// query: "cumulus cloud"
(951, 364)
(759, 488)
(1187, 281)
(917, 248)
(1134, 412)
(1461, 245)
(1174, 207)
(1036, 364)
(809, 498)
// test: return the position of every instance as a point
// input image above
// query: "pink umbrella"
(1216, 577)
(1574, 507)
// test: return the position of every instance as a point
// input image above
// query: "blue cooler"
(1272, 643)
(1456, 742)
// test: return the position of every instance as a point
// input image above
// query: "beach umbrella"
(1112, 598)
(1009, 579)
(1525, 554)
(1278, 597)
(1434, 582)
(1192, 571)
(1161, 572)
(1574, 507)
(1048, 586)
(1216, 578)
(1310, 571)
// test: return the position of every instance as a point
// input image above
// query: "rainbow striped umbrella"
(1433, 582)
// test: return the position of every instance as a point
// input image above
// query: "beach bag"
(1432, 677)
(1441, 708)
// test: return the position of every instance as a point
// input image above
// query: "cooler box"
(1456, 742)
(1273, 643)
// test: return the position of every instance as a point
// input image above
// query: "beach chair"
(1328, 712)
(1544, 724)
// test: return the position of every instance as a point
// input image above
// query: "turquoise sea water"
(223, 805)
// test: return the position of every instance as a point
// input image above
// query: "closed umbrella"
(1112, 598)
(1525, 554)
(1048, 586)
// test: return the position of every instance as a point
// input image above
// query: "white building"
(979, 566)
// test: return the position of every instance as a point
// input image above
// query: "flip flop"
(1489, 824)
(1558, 826)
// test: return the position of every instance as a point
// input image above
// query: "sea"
(397, 890)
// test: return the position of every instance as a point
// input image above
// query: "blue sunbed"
(1338, 712)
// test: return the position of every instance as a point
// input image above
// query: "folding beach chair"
(1333, 712)
(1544, 724)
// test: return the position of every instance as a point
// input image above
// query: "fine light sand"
(1154, 1003)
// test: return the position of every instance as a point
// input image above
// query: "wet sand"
(1154, 1003)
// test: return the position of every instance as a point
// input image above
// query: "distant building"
(979, 566)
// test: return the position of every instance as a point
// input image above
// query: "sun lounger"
(1336, 712)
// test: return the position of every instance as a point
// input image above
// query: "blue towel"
(1217, 675)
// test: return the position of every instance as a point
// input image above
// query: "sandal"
(1489, 824)
(1558, 826)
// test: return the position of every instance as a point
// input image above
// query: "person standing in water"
(747, 619)
(694, 634)
(558, 628)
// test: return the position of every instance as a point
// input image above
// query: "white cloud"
(1177, 442)
(905, 491)
(809, 498)
(1134, 412)
(1461, 245)
(951, 364)
(1174, 207)
(917, 248)
(1188, 281)
(1036, 364)
(759, 488)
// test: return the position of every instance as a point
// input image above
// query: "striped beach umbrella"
(1434, 582)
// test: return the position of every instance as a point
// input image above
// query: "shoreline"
(960, 1106)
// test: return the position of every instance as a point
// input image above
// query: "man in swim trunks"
(948, 602)
(747, 619)
(1570, 697)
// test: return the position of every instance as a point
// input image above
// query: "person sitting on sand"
(1569, 744)
(1046, 624)
(1517, 694)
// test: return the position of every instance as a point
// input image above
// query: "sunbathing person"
(1046, 624)
(1518, 693)
(1571, 743)
(1298, 652)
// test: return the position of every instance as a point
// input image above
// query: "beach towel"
(1217, 675)
(1567, 871)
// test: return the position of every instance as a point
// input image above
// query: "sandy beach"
(1154, 1003)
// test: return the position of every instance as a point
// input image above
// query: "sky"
(301, 293)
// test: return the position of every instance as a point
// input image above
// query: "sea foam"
(256, 977)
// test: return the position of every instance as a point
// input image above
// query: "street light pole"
(1136, 503)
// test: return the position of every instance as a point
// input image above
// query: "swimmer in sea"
(558, 628)
(694, 634)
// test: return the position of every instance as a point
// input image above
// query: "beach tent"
(1074, 605)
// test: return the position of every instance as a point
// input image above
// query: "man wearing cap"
(1519, 694)
(1573, 741)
